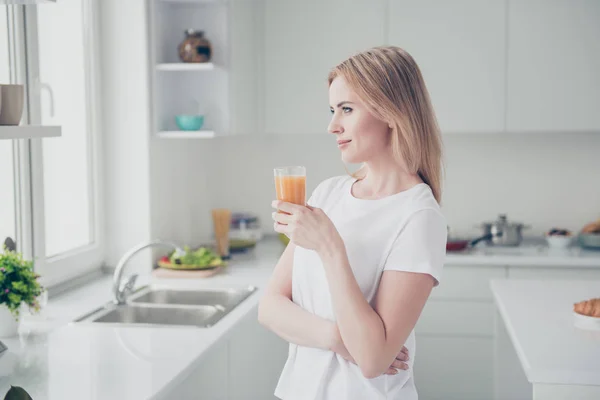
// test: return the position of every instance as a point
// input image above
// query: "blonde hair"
(390, 83)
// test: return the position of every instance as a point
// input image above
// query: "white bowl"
(558, 241)
(585, 322)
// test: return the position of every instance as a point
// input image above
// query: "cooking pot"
(504, 233)
(463, 244)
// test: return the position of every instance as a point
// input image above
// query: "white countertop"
(532, 252)
(538, 316)
(99, 362)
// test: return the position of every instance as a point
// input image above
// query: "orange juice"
(291, 189)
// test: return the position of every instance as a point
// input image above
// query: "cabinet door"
(454, 368)
(256, 359)
(209, 380)
(303, 41)
(246, 49)
(460, 49)
(554, 65)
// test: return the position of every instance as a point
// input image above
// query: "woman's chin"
(350, 158)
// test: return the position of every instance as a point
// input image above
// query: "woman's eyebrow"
(341, 103)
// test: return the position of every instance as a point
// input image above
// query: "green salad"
(201, 257)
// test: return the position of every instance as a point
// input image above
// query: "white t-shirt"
(402, 232)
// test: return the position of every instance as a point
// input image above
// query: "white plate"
(585, 322)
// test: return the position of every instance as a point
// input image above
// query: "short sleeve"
(421, 245)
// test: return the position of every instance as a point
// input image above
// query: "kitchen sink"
(227, 298)
(152, 306)
(198, 316)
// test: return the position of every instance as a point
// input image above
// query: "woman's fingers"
(402, 356)
(404, 350)
(282, 218)
(391, 371)
(399, 365)
(290, 208)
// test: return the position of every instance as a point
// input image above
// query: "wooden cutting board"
(183, 274)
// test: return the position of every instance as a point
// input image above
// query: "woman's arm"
(375, 336)
(277, 312)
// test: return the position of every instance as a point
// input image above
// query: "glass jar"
(245, 226)
(195, 48)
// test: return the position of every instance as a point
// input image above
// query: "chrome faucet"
(122, 290)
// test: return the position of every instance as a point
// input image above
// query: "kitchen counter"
(55, 359)
(77, 361)
(559, 360)
(532, 252)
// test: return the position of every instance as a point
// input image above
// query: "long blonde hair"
(390, 83)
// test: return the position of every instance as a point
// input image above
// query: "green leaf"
(17, 393)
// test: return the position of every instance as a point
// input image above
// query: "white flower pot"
(8, 324)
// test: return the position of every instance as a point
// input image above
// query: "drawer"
(448, 317)
(467, 282)
(564, 273)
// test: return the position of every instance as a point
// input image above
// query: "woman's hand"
(306, 226)
(399, 363)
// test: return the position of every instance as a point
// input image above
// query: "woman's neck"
(384, 179)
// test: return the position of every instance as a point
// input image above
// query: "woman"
(366, 251)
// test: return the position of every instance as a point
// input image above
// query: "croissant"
(592, 227)
(591, 307)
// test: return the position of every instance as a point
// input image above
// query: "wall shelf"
(29, 131)
(185, 67)
(186, 134)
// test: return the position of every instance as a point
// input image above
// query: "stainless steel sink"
(152, 306)
(198, 316)
(227, 298)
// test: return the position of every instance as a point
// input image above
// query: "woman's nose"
(335, 126)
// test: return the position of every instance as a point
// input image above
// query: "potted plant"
(19, 286)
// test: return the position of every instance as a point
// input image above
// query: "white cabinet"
(209, 380)
(256, 359)
(460, 48)
(450, 368)
(554, 65)
(303, 41)
(245, 365)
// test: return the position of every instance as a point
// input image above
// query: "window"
(8, 211)
(64, 208)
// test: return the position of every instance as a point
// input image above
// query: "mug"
(13, 97)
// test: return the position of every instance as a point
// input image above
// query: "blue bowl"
(189, 122)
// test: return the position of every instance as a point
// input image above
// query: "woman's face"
(360, 136)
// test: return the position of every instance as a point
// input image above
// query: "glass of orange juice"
(290, 184)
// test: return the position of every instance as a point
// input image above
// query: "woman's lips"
(342, 143)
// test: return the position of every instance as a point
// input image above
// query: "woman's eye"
(346, 109)
(331, 110)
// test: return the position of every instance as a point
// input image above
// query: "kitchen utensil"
(245, 226)
(241, 245)
(189, 122)
(586, 322)
(590, 240)
(511, 232)
(559, 241)
(222, 222)
(13, 97)
(458, 245)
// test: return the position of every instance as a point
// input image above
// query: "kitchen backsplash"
(543, 180)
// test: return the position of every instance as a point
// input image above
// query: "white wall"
(124, 69)
(543, 180)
